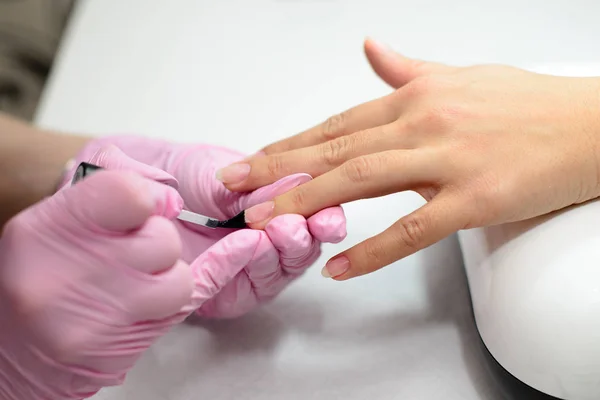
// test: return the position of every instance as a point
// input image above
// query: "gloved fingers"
(154, 248)
(160, 296)
(259, 280)
(234, 300)
(264, 270)
(112, 158)
(118, 201)
(328, 225)
(297, 247)
(268, 192)
(222, 262)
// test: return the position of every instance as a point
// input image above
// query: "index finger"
(367, 115)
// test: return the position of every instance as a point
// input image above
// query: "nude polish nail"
(259, 212)
(235, 173)
(336, 267)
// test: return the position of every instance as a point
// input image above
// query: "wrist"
(31, 163)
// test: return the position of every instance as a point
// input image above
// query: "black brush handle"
(84, 169)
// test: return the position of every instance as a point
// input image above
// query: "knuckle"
(375, 256)
(420, 86)
(334, 151)
(297, 198)
(275, 166)
(358, 170)
(434, 119)
(335, 126)
(411, 231)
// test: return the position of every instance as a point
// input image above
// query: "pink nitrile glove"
(254, 266)
(89, 279)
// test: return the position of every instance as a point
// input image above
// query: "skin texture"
(483, 145)
(256, 265)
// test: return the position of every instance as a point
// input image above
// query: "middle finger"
(319, 159)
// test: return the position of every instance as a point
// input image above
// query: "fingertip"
(289, 232)
(328, 225)
(337, 268)
(169, 202)
(258, 216)
(160, 199)
(372, 46)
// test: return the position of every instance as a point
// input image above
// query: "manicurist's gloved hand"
(89, 278)
(250, 266)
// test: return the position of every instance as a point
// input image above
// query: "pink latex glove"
(253, 266)
(89, 278)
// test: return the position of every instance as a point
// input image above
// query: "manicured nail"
(336, 267)
(234, 173)
(259, 212)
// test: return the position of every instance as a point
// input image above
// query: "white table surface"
(245, 73)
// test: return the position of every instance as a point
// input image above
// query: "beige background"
(30, 31)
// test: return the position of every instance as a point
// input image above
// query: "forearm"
(32, 161)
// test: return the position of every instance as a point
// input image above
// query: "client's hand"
(253, 265)
(483, 145)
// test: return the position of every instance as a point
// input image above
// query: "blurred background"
(30, 33)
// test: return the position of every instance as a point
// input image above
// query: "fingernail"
(259, 212)
(234, 173)
(336, 267)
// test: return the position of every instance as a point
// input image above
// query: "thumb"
(395, 69)
(113, 201)
(112, 158)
